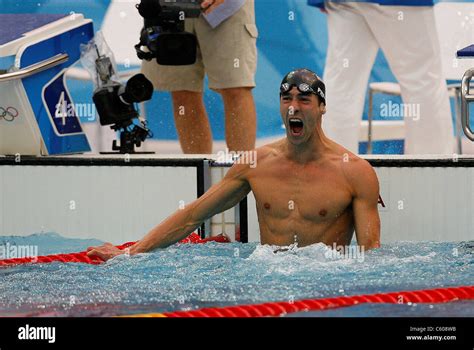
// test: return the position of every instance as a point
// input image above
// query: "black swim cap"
(305, 81)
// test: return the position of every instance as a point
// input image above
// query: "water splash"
(190, 276)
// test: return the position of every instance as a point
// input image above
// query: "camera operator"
(227, 53)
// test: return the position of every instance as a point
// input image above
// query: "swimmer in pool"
(308, 189)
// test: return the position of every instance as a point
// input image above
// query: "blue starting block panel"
(17, 26)
(45, 121)
(467, 52)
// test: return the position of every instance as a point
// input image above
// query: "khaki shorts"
(227, 54)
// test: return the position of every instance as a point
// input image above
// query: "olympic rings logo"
(9, 114)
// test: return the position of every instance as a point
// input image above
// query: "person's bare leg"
(191, 121)
(240, 118)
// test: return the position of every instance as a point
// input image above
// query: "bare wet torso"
(306, 203)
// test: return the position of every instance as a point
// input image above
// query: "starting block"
(37, 116)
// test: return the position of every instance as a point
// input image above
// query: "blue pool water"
(184, 277)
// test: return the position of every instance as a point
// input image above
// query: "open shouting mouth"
(296, 126)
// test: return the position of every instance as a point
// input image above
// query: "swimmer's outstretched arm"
(365, 201)
(220, 197)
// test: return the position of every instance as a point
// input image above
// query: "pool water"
(185, 277)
